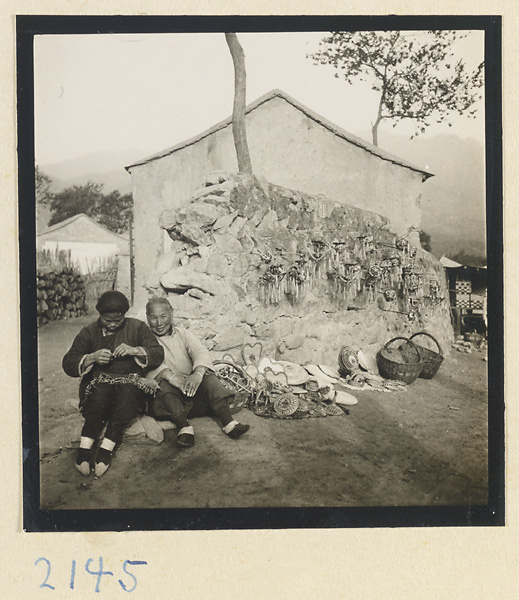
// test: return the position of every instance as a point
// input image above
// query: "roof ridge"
(353, 139)
(73, 218)
(61, 224)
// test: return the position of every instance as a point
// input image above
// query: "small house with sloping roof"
(291, 146)
(90, 244)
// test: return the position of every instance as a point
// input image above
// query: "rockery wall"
(253, 262)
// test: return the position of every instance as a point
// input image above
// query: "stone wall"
(254, 262)
(289, 148)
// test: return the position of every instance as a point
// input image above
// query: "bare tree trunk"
(374, 132)
(238, 112)
(374, 128)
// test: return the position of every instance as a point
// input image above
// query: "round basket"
(432, 360)
(402, 363)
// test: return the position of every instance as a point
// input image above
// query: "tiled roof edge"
(357, 141)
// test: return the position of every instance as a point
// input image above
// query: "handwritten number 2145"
(98, 573)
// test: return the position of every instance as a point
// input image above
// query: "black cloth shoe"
(83, 460)
(238, 431)
(103, 462)
(186, 440)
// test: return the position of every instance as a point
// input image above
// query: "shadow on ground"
(424, 447)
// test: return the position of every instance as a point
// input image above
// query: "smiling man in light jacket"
(187, 387)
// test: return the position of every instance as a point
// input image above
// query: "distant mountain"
(97, 162)
(112, 180)
(106, 168)
(453, 201)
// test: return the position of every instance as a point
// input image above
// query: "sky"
(106, 92)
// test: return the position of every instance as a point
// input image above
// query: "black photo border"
(35, 519)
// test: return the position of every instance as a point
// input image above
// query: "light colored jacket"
(183, 352)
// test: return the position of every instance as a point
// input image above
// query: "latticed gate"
(102, 277)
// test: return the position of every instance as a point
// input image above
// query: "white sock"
(189, 429)
(107, 444)
(230, 426)
(86, 443)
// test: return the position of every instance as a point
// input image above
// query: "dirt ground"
(423, 447)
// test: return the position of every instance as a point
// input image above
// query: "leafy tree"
(114, 211)
(74, 200)
(469, 258)
(425, 240)
(238, 112)
(416, 75)
(111, 210)
(43, 185)
(44, 195)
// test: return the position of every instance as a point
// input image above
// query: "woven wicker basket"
(402, 365)
(431, 360)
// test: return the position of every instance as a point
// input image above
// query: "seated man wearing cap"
(110, 356)
(186, 388)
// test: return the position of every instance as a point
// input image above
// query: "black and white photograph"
(258, 272)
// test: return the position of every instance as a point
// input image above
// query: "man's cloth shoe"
(238, 431)
(83, 458)
(186, 440)
(186, 437)
(103, 462)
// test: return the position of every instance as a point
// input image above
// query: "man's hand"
(125, 350)
(101, 357)
(176, 380)
(192, 384)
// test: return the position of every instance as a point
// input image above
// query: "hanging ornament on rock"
(318, 250)
(271, 284)
(389, 295)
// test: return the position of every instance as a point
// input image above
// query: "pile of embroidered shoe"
(273, 397)
(285, 390)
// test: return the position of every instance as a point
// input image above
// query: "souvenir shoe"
(330, 372)
(298, 389)
(186, 437)
(312, 385)
(296, 374)
(152, 428)
(368, 362)
(103, 462)
(346, 399)
(266, 363)
(321, 377)
(274, 377)
(83, 460)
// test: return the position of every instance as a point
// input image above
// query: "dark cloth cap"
(112, 302)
